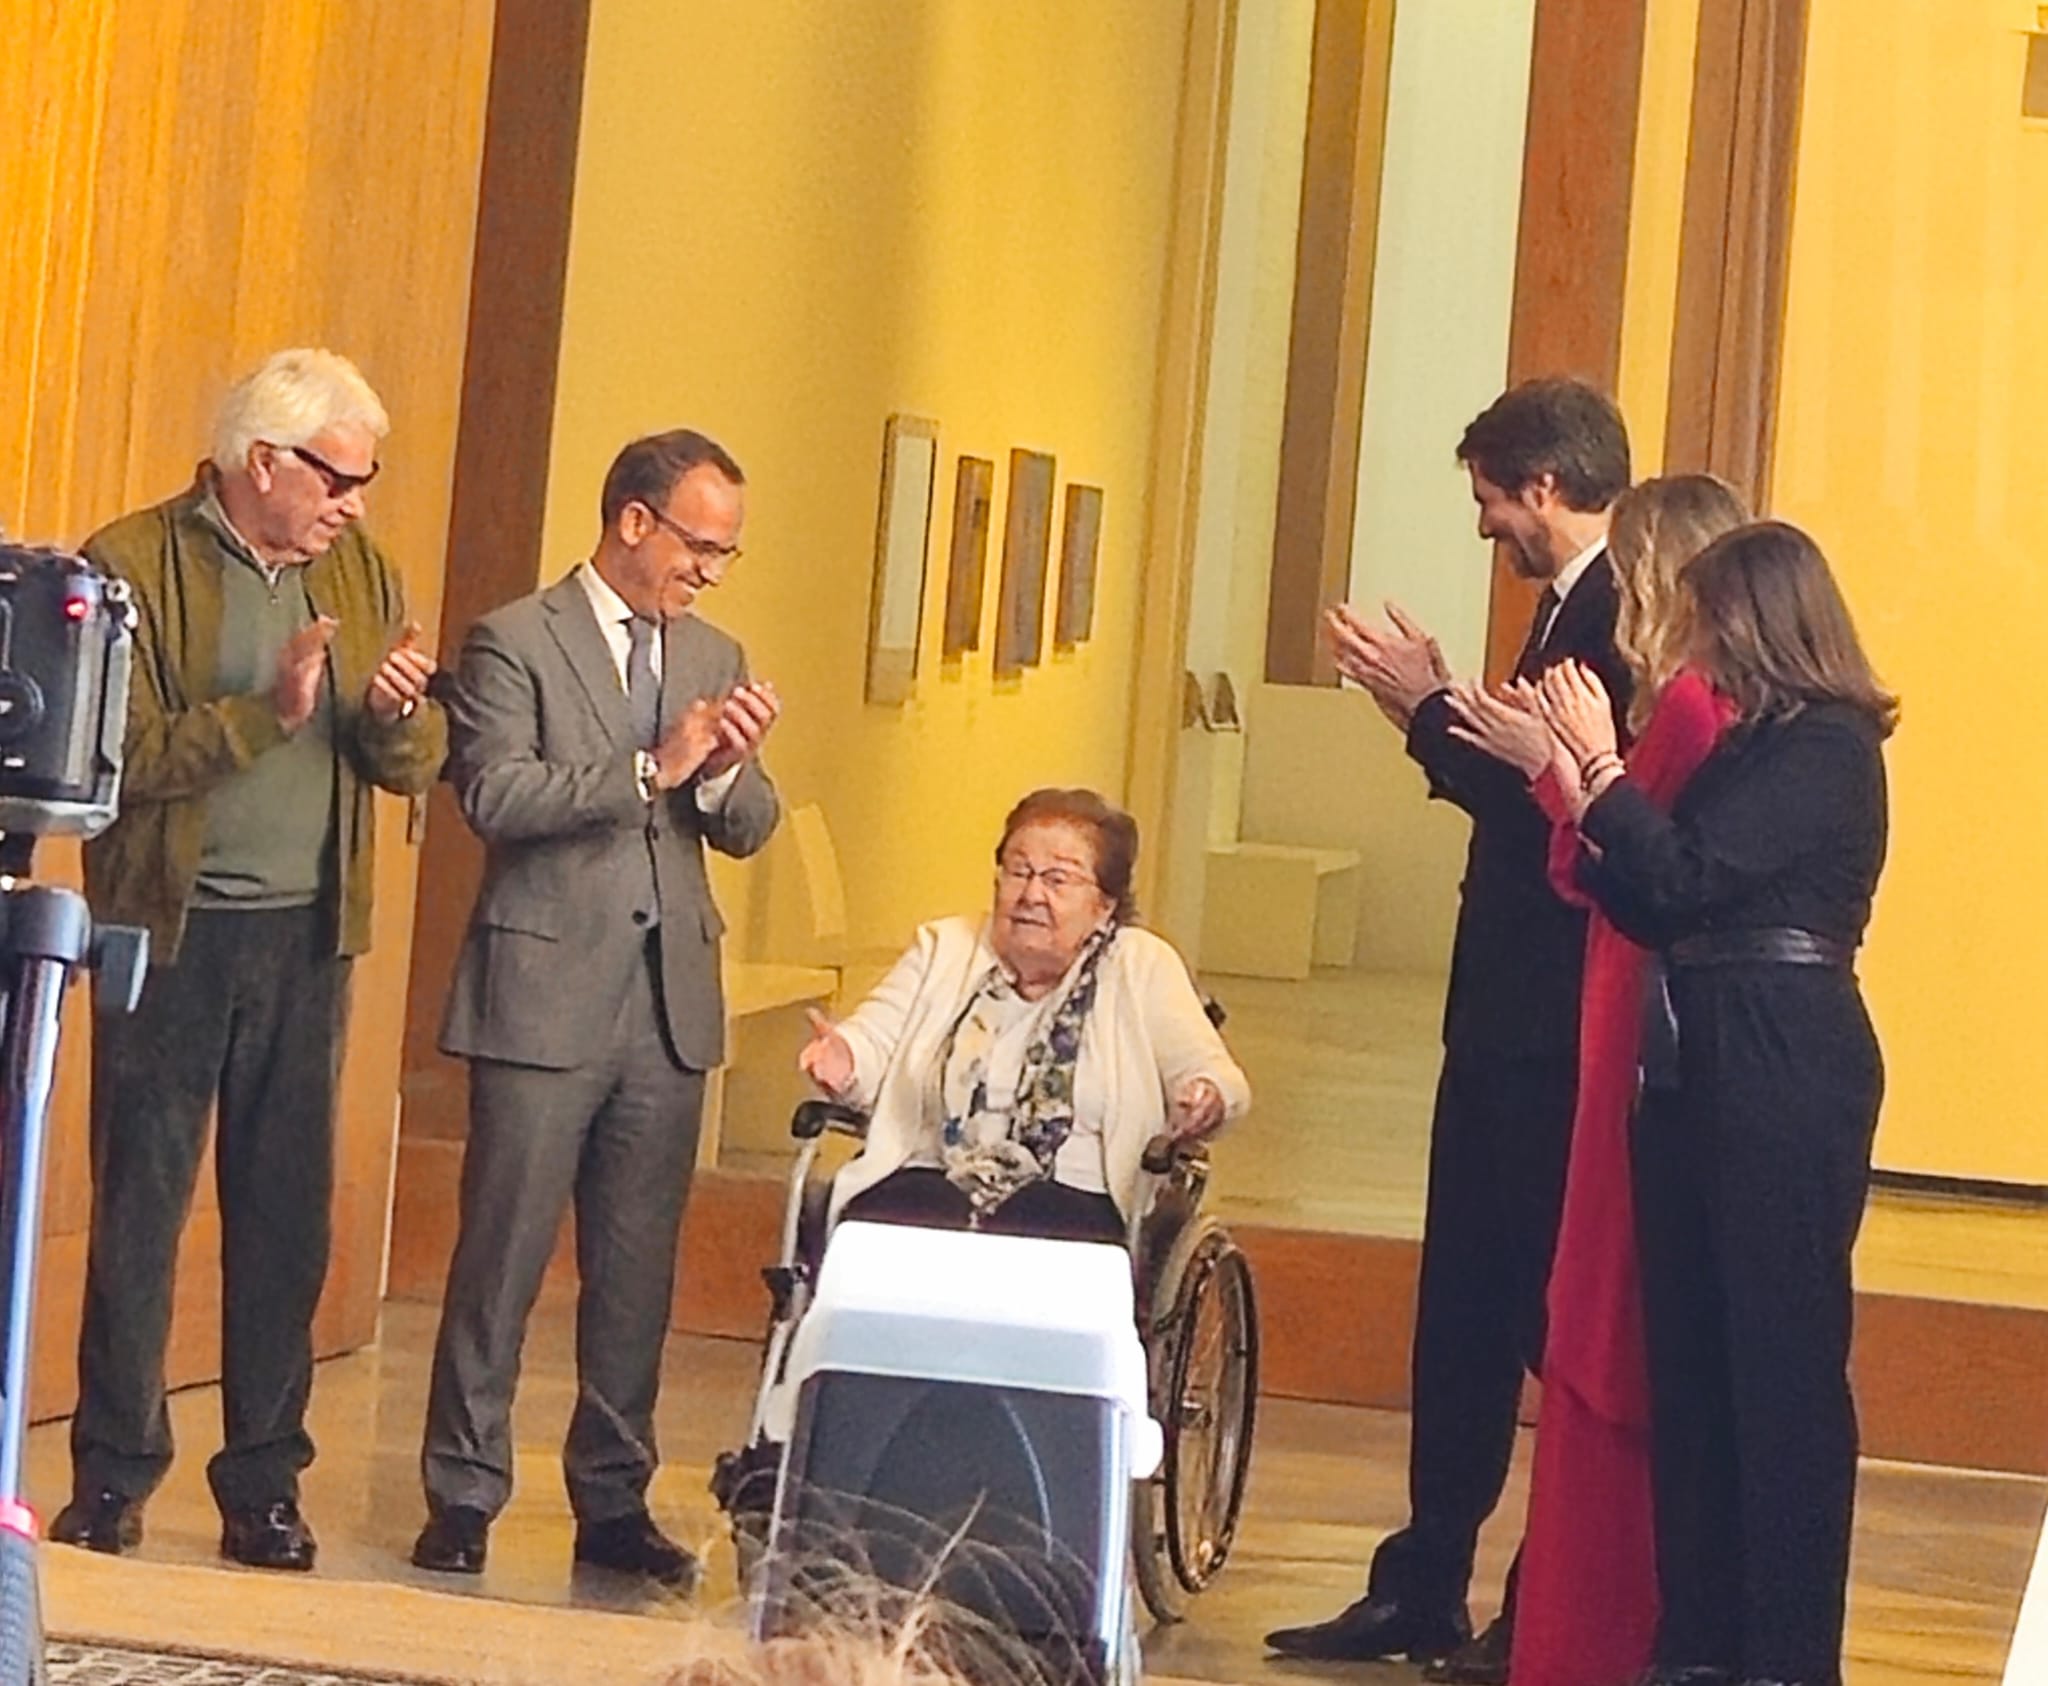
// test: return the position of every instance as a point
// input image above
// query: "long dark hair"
(1765, 619)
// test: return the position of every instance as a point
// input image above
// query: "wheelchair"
(1197, 1324)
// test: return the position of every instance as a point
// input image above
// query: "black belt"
(1776, 945)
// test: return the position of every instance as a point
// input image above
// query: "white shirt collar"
(1575, 570)
(612, 610)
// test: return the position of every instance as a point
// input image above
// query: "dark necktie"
(1531, 658)
(643, 689)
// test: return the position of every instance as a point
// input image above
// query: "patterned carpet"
(107, 1665)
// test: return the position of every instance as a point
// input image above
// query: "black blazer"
(1520, 950)
(1783, 825)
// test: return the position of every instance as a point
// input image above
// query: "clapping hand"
(743, 722)
(301, 665)
(826, 1059)
(1400, 664)
(687, 745)
(400, 683)
(1507, 726)
(1576, 707)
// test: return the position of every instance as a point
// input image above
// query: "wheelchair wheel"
(1204, 1358)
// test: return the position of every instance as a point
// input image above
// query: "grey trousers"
(618, 1137)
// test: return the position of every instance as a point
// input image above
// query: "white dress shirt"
(1575, 570)
(613, 617)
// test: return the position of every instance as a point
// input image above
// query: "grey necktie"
(643, 689)
(643, 707)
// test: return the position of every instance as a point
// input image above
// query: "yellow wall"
(792, 219)
(1910, 444)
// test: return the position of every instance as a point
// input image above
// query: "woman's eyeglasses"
(1058, 880)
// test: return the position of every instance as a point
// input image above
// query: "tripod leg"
(28, 1061)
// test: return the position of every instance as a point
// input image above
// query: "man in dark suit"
(1547, 460)
(600, 735)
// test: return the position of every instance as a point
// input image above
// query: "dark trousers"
(920, 1194)
(1750, 1186)
(617, 1137)
(252, 1015)
(1499, 1142)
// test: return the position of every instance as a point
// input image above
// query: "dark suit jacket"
(1520, 950)
(541, 757)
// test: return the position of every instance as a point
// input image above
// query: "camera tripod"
(46, 937)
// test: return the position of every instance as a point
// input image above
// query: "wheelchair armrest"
(814, 1117)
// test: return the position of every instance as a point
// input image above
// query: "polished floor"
(1343, 1071)
(1942, 1556)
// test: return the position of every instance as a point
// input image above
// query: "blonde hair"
(1658, 528)
(289, 400)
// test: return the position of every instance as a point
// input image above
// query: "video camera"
(66, 642)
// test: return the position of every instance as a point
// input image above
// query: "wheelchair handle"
(1164, 1154)
(814, 1117)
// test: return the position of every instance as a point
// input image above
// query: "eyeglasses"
(338, 484)
(1058, 880)
(705, 550)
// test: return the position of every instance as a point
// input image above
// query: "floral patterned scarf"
(1041, 1117)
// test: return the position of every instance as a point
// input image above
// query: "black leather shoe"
(273, 1537)
(454, 1541)
(1477, 1662)
(1373, 1628)
(1692, 1675)
(104, 1521)
(632, 1545)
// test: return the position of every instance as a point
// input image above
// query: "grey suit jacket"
(541, 757)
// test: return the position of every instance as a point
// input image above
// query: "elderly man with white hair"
(277, 679)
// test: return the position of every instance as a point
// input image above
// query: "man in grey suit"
(600, 735)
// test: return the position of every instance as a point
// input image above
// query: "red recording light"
(76, 608)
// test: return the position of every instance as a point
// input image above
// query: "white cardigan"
(1145, 1037)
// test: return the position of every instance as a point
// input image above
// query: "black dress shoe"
(274, 1536)
(454, 1541)
(104, 1521)
(1477, 1662)
(1373, 1628)
(632, 1545)
(1692, 1674)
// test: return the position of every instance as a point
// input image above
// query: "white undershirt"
(1575, 570)
(613, 615)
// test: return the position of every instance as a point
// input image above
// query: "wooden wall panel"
(203, 182)
(1571, 259)
(501, 476)
(1736, 250)
(1349, 82)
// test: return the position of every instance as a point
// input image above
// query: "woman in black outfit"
(1752, 1137)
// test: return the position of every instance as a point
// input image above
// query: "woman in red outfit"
(1587, 1604)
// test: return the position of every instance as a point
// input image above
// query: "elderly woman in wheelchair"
(1051, 1072)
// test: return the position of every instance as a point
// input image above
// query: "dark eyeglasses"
(705, 550)
(338, 484)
